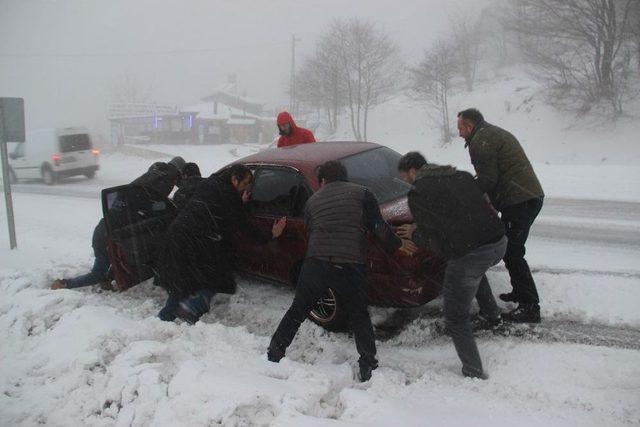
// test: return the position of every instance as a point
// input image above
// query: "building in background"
(221, 118)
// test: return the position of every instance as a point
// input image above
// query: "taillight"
(56, 159)
(95, 152)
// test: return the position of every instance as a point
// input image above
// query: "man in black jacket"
(196, 260)
(453, 218)
(161, 177)
(188, 185)
(337, 217)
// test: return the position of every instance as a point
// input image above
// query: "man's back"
(338, 217)
(451, 211)
(503, 169)
(335, 219)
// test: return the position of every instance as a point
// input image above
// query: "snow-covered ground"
(87, 357)
(97, 358)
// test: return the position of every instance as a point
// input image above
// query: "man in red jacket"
(290, 134)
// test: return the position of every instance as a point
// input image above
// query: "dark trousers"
(463, 277)
(101, 262)
(350, 284)
(517, 220)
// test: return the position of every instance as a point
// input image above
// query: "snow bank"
(103, 359)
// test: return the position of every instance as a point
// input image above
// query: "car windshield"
(377, 170)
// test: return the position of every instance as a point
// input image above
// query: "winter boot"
(193, 307)
(469, 374)
(59, 284)
(168, 312)
(366, 370)
(485, 323)
(274, 354)
(509, 297)
(525, 313)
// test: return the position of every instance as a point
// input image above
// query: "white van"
(54, 153)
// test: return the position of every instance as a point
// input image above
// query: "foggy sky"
(66, 58)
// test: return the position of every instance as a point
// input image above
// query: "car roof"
(314, 153)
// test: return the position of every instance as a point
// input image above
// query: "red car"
(284, 179)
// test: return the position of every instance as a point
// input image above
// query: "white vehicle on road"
(54, 153)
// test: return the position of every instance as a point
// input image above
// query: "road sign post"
(11, 129)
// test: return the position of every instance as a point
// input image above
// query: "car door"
(19, 164)
(278, 192)
(137, 219)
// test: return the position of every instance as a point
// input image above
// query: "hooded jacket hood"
(285, 117)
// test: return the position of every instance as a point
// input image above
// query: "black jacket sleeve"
(427, 232)
(374, 222)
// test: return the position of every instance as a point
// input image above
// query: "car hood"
(397, 211)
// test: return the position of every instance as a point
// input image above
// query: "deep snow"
(101, 358)
(97, 358)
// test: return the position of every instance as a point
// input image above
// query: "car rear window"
(377, 170)
(77, 142)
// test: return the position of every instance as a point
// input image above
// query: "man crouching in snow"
(452, 217)
(337, 217)
(160, 177)
(196, 260)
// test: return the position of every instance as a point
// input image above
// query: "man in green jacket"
(505, 175)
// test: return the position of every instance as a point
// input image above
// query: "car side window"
(279, 192)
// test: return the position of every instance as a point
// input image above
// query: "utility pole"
(292, 83)
(11, 129)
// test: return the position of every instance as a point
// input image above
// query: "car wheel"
(12, 177)
(90, 174)
(329, 313)
(48, 176)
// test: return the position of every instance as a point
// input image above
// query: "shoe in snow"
(365, 372)
(469, 374)
(192, 308)
(484, 323)
(274, 354)
(525, 313)
(59, 284)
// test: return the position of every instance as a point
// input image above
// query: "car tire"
(12, 177)
(48, 175)
(90, 174)
(329, 313)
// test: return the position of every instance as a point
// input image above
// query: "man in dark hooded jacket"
(187, 186)
(161, 177)
(196, 261)
(290, 133)
(453, 218)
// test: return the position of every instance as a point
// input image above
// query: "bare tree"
(369, 66)
(580, 45)
(467, 41)
(432, 82)
(634, 27)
